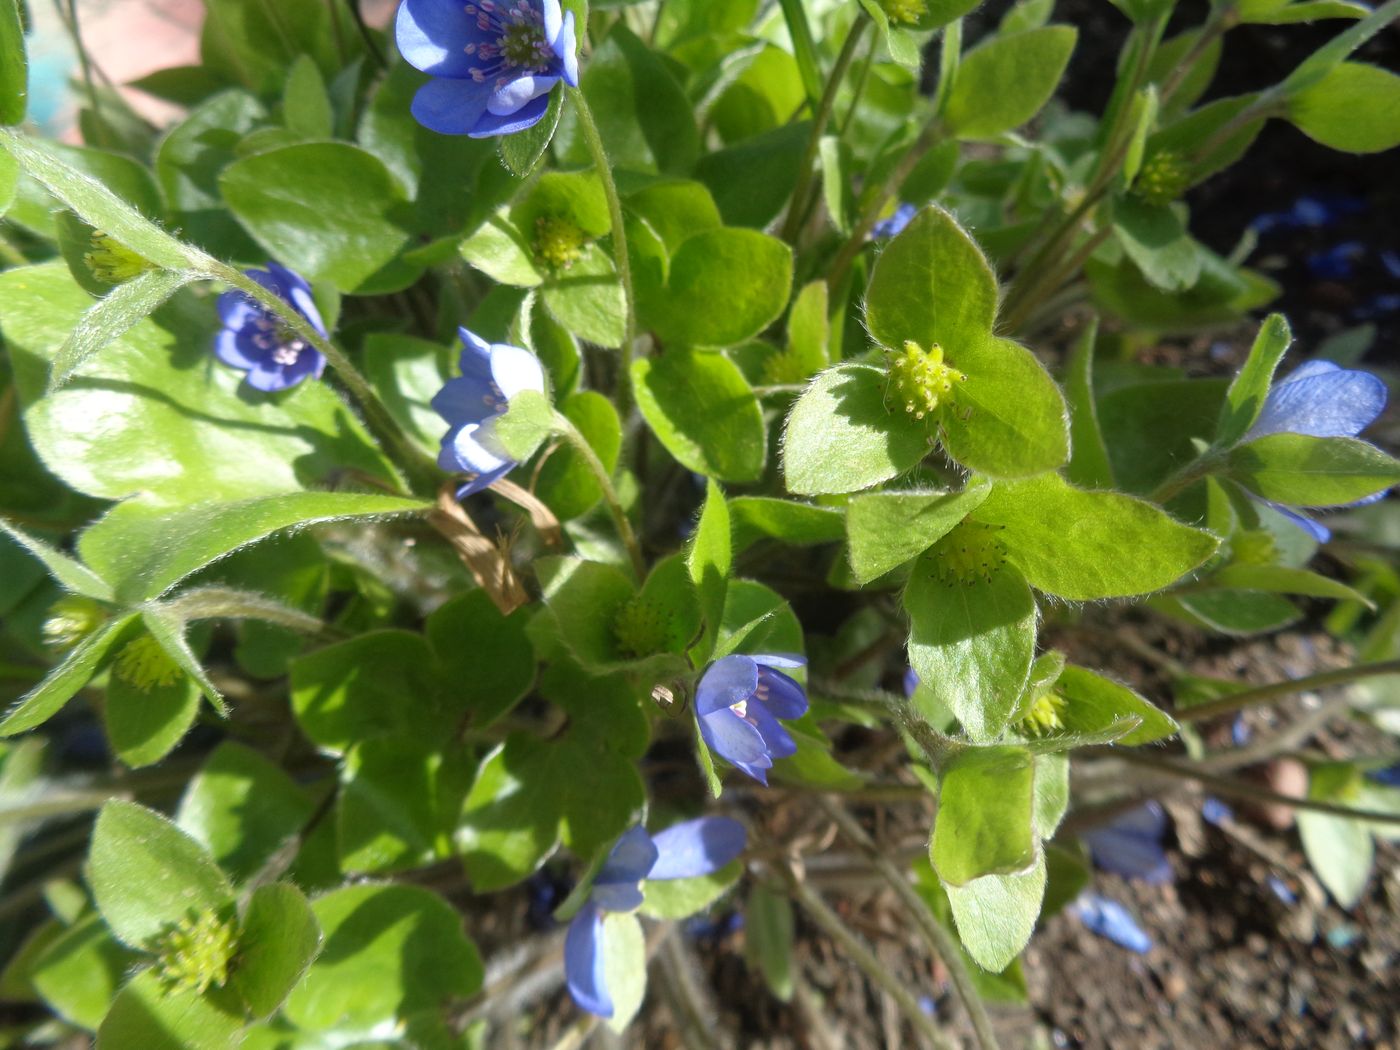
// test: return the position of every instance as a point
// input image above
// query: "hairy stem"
(939, 941)
(1264, 693)
(619, 243)
(580, 444)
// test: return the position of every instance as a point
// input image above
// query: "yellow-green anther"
(920, 379)
(905, 12)
(111, 261)
(973, 551)
(642, 627)
(71, 619)
(1164, 178)
(194, 954)
(1044, 715)
(558, 241)
(144, 664)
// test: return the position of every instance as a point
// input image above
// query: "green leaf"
(1009, 419)
(391, 953)
(500, 250)
(527, 421)
(624, 967)
(1231, 612)
(1094, 703)
(752, 179)
(396, 805)
(79, 972)
(354, 690)
(645, 120)
(329, 210)
(587, 298)
(521, 151)
(983, 825)
(488, 677)
(1088, 465)
(144, 724)
(711, 561)
(1064, 539)
(145, 1014)
(768, 938)
(887, 529)
(1154, 237)
(801, 524)
(98, 206)
(147, 874)
(932, 285)
(1280, 579)
(565, 483)
(144, 550)
(278, 940)
(1003, 83)
(996, 914)
(124, 306)
(703, 412)
(306, 108)
(682, 898)
(253, 44)
(971, 642)
(62, 683)
(585, 597)
(1339, 849)
(72, 574)
(844, 408)
(242, 808)
(747, 271)
(1303, 471)
(1250, 387)
(14, 68)
(1352, 109)
(168, 629)
(153, 413)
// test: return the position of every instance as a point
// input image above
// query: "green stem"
(797, 207)
(619, 239)
(938, 938)
(858, 952)
(1221, 19)
(580, 444)
(804, 48)
(1264, 693)
(1184, 478)
(421, 471)
(858, 92)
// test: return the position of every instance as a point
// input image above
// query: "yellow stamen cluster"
(70, 620)
(145, 665)
(1044, 716)
(111, 261)
(1164, 178)
(906, 12)
(921, 381)
(194, 954)
(971, 552)
(642, 627)
(1253, 547)
(558, 241)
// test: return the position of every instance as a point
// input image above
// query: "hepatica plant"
(447, 448)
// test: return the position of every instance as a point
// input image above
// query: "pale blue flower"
(739, 701)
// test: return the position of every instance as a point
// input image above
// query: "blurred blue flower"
(1111, 920)
(1214, 811)
(1390, 259)
(1336, 263)
(893, 225)
(492, 374)
(1309, 212)
(1131, 844)
(1281, 890)
(493, 62)
(739, 701)
(1320, 399)
(257, 341)
(1387, 775)
(683, 851)
(911, 681)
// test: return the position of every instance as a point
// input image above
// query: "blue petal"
(777, 740)
(697, 847)
(565, 45)
(618, 896)
(272, 378)
(527, 116)
(729, 681)
(295, 290)
(481, 482)
(788, 660)
(630, 859)
(911, 681)
(553, 16)
(433, 35)
(475, 359)
(1131, 844)
(1110, 919)
(785, 697)
(514, 370)
(470, 456)
(735, 740)
(227, 349)
(463, 401)
(508, 99)
(583, 962)
(450, 107)
(1321, 401)
(1319, 532)
(236, 309)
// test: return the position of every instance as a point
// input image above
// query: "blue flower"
(1320, 399)
(739, 701)
(893, 225)
(1109, 919)
(1131, 844)
(684, 851)
(492, 374)
(257, 341)
(493, 62)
